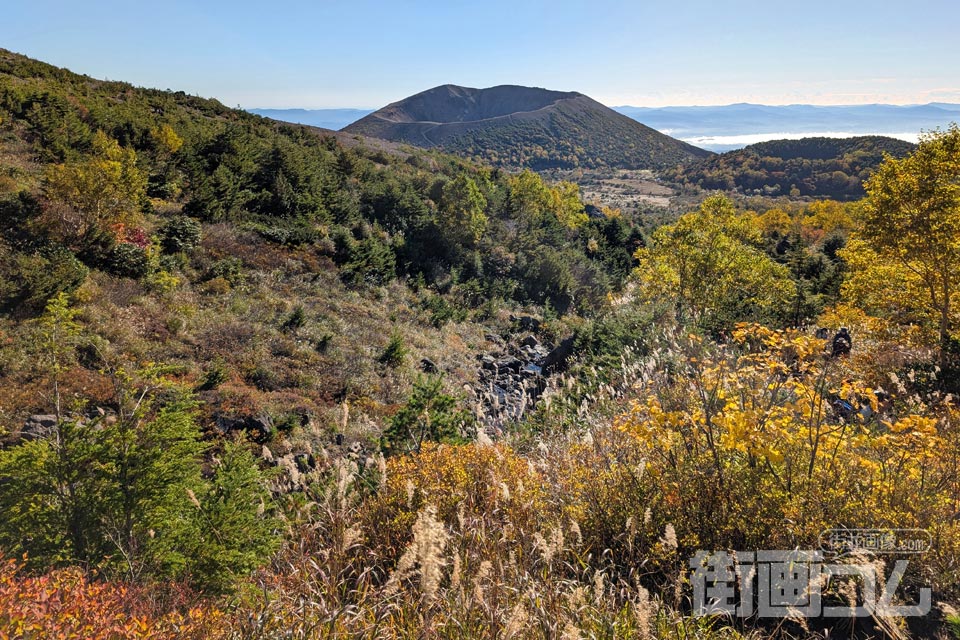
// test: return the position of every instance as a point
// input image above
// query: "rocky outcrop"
(557, 359)
(513, 377)
(38, 426)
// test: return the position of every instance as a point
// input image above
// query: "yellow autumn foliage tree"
(531, 197)
(100, 190)
(166, 140)
(882, 288)
(710, 266)
(462, 211)
(911, 219)
(828, 216)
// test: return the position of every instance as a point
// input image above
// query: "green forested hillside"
(820, 167)
(376, 215)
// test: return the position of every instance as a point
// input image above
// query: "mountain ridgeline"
(525, 127)
(820, 167)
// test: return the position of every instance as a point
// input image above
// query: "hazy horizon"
(727, 127)
(656, 54)
(618, 106)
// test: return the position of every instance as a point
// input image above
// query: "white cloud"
(753, 138)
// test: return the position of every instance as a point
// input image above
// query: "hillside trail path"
(434, 144)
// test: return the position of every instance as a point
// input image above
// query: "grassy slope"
(233, 325)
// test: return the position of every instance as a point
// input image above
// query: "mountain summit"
(524, 126)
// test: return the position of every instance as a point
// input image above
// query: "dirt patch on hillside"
(627, 190)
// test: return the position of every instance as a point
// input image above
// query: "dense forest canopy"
(819, 167)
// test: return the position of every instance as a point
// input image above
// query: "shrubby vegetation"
(213, 423)
(429, 415)
(68, 603)
(711, 263)
(123, 492)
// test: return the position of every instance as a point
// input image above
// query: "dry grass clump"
(476, 554)
(587, 533)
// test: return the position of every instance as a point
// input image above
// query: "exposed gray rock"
(260, 428)
(508, 364)
(511, 384)
(38, 426)
(531, 371)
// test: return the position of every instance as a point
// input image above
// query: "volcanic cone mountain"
(523, 126)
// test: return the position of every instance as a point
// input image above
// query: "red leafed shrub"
(65, 604)
(130, 235)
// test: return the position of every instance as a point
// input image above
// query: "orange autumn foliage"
(65, 604)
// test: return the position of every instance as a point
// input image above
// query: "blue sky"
(363, 53)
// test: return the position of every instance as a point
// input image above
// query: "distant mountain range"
(524, 127)
(734, 126)
(335, 119)
(722, 128)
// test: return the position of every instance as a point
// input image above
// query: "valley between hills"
(485, 363)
